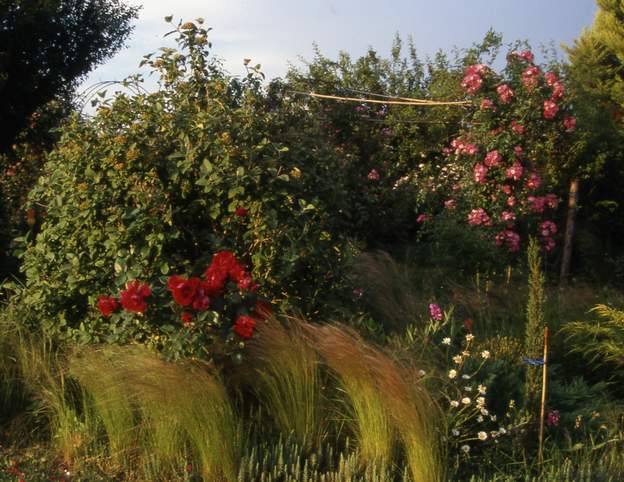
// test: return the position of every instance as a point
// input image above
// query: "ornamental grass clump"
(167, 414)
(388, 412)
(288, 380)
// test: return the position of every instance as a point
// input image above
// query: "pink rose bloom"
(536, 204)
(517, 128)
(470, 149)
(569, 123)
(422, 218)
(518, 150)
(373, 175)
(527, 55)
(534, 181)
(506, 188)
(552, 201)
(478, 217)
(550, 109)
(471, 83)
(515, 171)
(548, 228)
(450, 204)
(505, 93)
(480, 171)
(551, 78)
(509, 238)
(476, 69)
(549, 244)
(508, 216)
(511, 201)
(487, 104)
(495, 132)
(493, 158)
(558, 91)
(530, 77)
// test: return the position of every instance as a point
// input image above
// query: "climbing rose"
(244, 326)
(435, 311)
(517, 128)
(373, 175)
(450, 204)
(133, 297)
(241, 212)
(493, 158)
(422, 218)
(569, 123)
(107, 305)
(480, 171)
(534, 181)
(509, 238)
(508, 216)
(526, 55)
(515, 171)
(552, 201)
(478, 217)
(558, 91)
(487, 104)
(548, 228)
(505, 93)
(550, 109)
(551, 78)
(530, 77)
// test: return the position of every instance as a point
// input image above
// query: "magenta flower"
(435, 311)
(373, 175)
(505, 93)
(553, 418)
(493, 158)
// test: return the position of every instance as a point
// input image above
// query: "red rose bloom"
(244, 326)
(183, 290)
(107, 305)
(133, 297)
(224, 264)
(241, 212)
(186, 318)
(201, 301)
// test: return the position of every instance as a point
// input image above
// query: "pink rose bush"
(520, 124)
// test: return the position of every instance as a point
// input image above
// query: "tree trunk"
(569, 233)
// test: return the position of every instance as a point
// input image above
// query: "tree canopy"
(47, 46)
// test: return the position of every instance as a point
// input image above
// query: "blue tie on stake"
(536, 362)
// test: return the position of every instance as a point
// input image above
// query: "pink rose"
(493, 158)
(550, 109)
(505, 93)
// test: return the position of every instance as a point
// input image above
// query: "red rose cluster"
(194, 293)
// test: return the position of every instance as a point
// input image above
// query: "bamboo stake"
(417, 102)
(543, 402)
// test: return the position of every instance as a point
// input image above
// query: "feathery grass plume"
(288, 380)
(41, 371)
(390, 290)
(167, 407)
(534, 336)
(386, 404)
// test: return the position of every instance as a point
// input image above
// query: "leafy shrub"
(156, 183)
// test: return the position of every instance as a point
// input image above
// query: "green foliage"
(47, 47)
(599, 342)
(150, 186)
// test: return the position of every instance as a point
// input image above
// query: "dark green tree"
(47, 46)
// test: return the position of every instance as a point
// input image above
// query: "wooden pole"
(543, 402)
(566, 260)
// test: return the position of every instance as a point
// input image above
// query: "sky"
(276, 32)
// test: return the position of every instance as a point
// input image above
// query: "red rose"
(201, 301)
(224, 264)
(186, 318)
(468, 324)
(133, 297)
(183, 290)
(244, 326)
(241, 212)
(107, 305)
